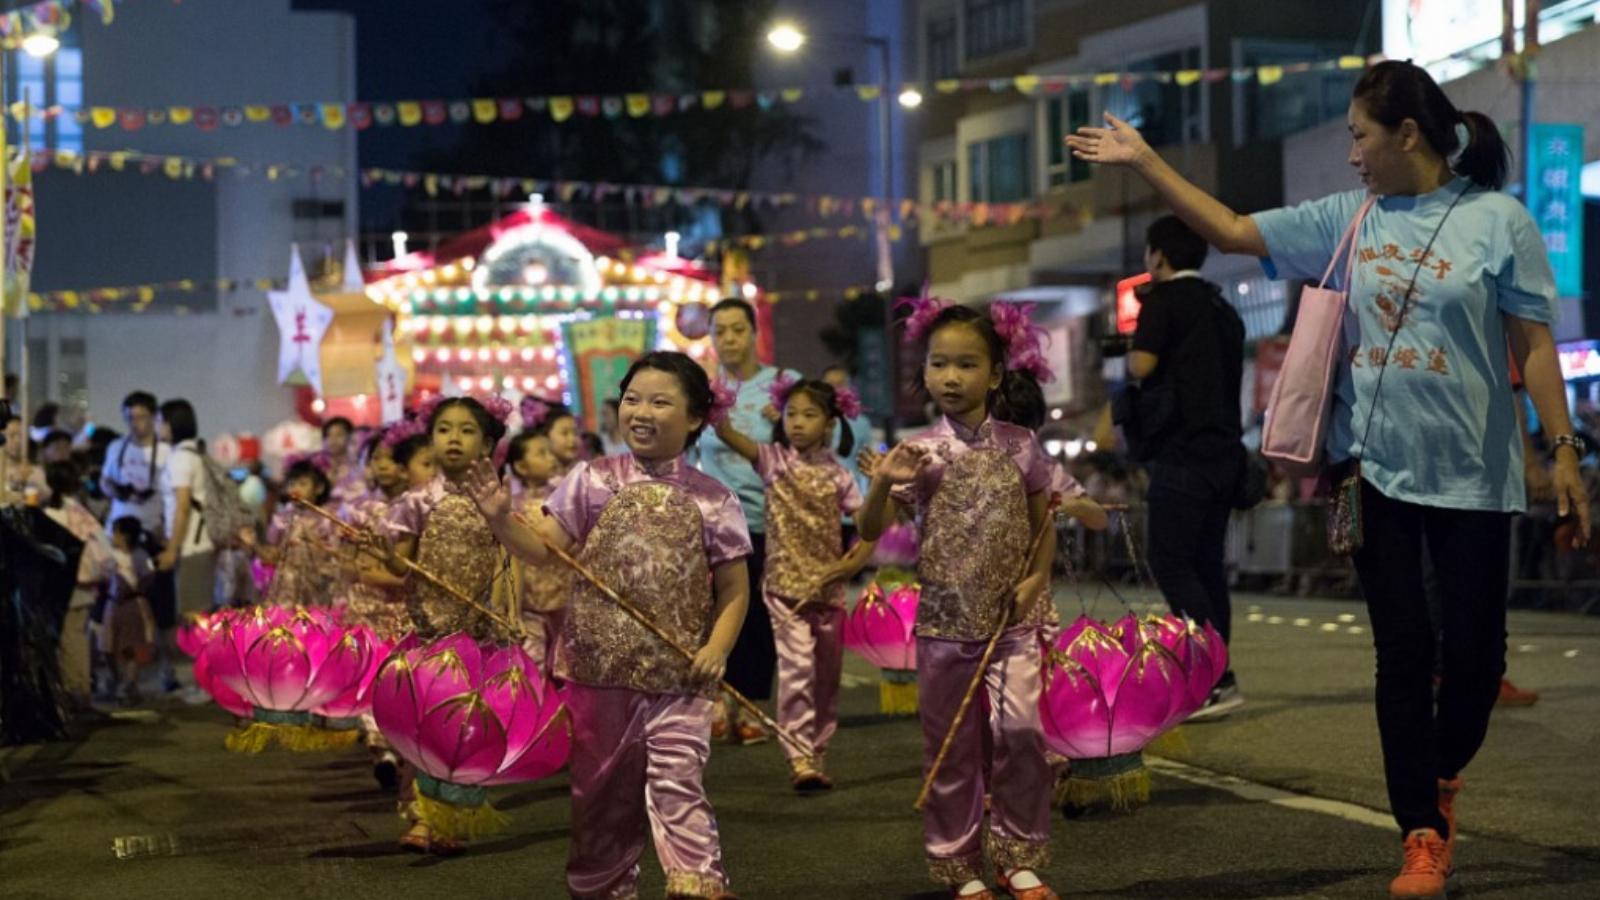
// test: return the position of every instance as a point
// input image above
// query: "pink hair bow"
(1025, 341)
(924, 309)
(722, 400)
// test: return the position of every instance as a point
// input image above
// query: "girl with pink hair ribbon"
(803, 587)
(970, 482)
(673, 541)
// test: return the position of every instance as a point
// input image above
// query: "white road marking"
(1261, 793)
(1302, 623)
(1571, 654)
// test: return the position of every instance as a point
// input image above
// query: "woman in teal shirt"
(1448, 269)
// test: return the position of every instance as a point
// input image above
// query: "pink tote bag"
(1297, 414)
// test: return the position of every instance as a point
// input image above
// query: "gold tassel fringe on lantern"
(452, 822)
(1120, 782)
(897, 693)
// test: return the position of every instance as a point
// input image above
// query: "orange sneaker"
(1448, 790)
(1422, 876)
(1511, 695)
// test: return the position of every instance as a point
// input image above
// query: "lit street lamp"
(786, 38)
(40, 44)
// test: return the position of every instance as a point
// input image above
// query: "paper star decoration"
(391, 380)
(302, 324)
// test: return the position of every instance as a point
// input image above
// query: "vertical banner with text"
(1555, 200)
(599, 352)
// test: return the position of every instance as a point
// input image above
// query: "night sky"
(414, 49)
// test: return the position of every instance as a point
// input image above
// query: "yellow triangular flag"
(180, 115)
(1352, 62)
(103, 116)
(1269, 74)
(1027, 84)
(868, 91)
(792, 95)
(485, 111)
(172, 166)
(257, 113)
(1186, 77)
(638, 105)
(561, 108)
(332, 116)
(712, 99)
(947, 85)
(410, 112)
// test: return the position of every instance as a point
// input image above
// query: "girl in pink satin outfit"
(438, 526)
(970, 481)
(542, 590)
(673, 541)
(803, 588)
(299, 543)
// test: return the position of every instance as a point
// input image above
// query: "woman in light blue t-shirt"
(1448, 271)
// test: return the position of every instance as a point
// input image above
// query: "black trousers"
(1427, 737)
(1188, 537)
(754, 659)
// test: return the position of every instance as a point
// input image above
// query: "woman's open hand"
(1120, 144)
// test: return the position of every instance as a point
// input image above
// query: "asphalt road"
(1282, 799)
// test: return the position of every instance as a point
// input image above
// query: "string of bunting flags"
(906, 211)
(362, 115)
(94, 300)
(52, 16)
(800, 236)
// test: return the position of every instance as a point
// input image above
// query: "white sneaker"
(1223, 700)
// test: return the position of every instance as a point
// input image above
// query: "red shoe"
(1448, 790)
(1422, 877)
(751, 733)
(1042, 892)
(1511, 695)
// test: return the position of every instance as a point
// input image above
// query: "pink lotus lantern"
(469, 716)
(1111, 690)
(193, 638)
(344, 712)
(879, 629)
(286, 663)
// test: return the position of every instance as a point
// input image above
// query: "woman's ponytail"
(1484, 158)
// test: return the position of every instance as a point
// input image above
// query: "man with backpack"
(1188, 354)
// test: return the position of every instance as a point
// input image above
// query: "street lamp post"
(786, 37)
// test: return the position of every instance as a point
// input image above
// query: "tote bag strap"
(1347, 243)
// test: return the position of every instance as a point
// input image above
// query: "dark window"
(995, 26)
(1166, 113)
(1065, 115)
(998, 170)
(942, 61)
(1296, 101)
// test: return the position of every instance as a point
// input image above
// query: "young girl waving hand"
(971, 482)
(673, 541)
(803, 588)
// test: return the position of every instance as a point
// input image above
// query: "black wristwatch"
(1568, 440)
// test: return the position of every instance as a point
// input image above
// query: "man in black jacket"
(1190, 345)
